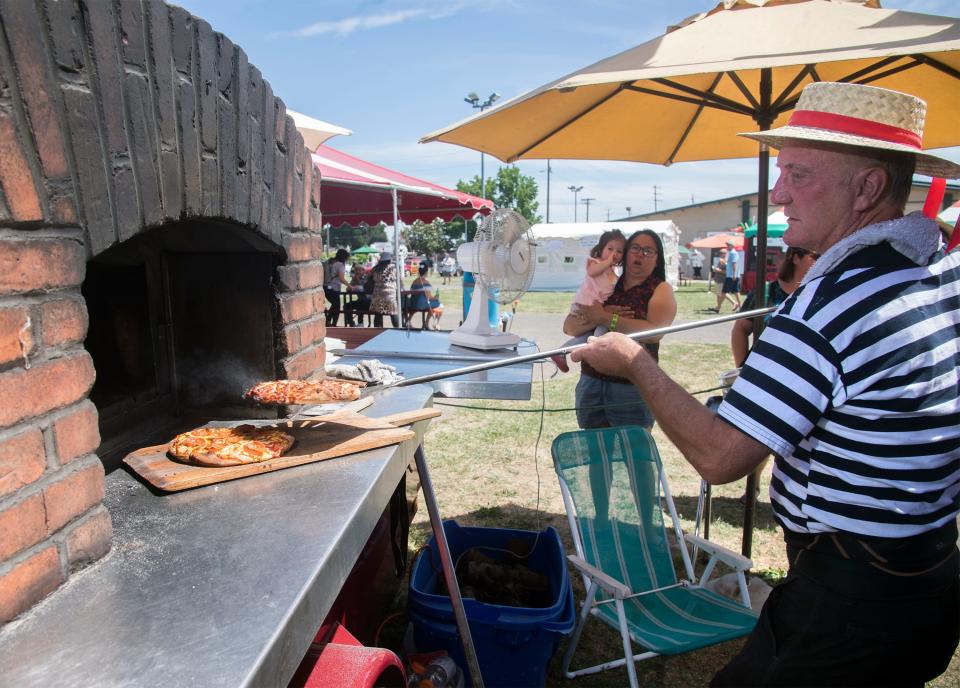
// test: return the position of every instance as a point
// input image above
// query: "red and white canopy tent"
(355, 191)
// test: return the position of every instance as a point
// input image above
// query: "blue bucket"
(514, 644)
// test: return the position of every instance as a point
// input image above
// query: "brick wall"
(117, 117)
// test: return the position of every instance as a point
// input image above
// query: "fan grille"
(506, 255)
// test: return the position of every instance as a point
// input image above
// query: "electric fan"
(501, 257)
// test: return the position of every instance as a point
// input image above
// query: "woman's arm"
(740, 341)
(661, 312)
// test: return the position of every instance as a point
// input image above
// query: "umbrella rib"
(711, 98)
(566, 124)
(693, 121)
(808, 70)
(889, 72)
(735, 78)
(684, 99)
(936, 64)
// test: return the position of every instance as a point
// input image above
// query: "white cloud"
(348, 25)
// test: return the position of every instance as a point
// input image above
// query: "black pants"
(333, 310)
(809, 634)
(378, 320)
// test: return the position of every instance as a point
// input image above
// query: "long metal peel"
(502, 362)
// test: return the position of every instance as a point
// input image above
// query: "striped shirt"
(854, 388)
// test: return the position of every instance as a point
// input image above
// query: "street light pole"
(474, 100)
(548, 191)
(575, 190)
(587, 202)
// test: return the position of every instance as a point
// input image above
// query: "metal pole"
(396, 252)
(449, 572)
(647, 334)
(483, 186)
(548, 191)
(765, 120)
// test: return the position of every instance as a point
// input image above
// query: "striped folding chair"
(614, 490)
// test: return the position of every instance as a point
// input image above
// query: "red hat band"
(856, 126)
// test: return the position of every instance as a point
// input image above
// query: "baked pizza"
(290, 392)
(230, 446)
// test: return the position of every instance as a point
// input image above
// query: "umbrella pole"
(398, 266)
(765, 121)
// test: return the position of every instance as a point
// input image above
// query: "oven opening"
(181, 323)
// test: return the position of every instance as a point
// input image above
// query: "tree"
(509, 189)
(426, 239)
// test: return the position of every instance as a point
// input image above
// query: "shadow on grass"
(599, 642)
(728, 510)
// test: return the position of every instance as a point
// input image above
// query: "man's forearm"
(719, 452)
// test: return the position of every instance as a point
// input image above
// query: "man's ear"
(871, 185)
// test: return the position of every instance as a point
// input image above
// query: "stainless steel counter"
(222, 585)
(418, 352)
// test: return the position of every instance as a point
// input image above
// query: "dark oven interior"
(181, 322)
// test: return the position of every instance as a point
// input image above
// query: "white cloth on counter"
(369, 370)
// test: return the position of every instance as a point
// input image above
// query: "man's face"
(815, 190)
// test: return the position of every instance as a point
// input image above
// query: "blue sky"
(394, 70)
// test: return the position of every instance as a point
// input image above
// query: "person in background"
(696, 263)
(642, 299)
(336, 276)
(792, 270)
(854, 387)
(423, 298)
(384, 299)
(603, 266)
(719, 270)
(361, 286)
(731, 281)
(448, 268)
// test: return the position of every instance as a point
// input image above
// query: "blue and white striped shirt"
(854, 387)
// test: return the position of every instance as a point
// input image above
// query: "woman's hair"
(787, 268)
(422, 269)
(660, 269)
(342, 255)
(605, 239)
(382, 265)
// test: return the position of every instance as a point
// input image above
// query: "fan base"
(495, 340)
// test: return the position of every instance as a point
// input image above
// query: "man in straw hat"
(853, 387)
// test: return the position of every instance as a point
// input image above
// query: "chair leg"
(578, 629)
(627, 647)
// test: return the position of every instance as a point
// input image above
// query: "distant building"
(700, 219)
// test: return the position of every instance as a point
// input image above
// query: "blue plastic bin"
(513, 644)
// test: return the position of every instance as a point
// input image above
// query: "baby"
(603, 271)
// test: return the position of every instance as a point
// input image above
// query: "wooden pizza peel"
(319, 439)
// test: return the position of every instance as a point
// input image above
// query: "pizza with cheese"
(230, 446)
(290, 392)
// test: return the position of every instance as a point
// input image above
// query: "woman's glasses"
(643, 250)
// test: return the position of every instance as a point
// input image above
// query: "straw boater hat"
(864, 116)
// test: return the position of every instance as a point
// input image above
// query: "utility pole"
(656, 197)
(628, 210)
(575, 190)
(548, 190)
(608, 214)
(474, 100)
(587, 202)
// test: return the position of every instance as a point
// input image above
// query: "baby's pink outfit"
(595, 289)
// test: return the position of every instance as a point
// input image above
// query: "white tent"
(563, 248)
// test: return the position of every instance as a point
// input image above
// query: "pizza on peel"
(291, 392)
(230, 446)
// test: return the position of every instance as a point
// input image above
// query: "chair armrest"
(611, 585)
(737, 561)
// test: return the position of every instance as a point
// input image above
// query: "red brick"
(305, 363)
(290, 339)
(29, 582)
(64, 320)
(289, 277)
(12, 340)
(22, 460)
(75, 493)
(77, 433)
(302, 247)
(296, 307)
(90, 539)
(21, 525)
(15, 177)
(311, 275)
(40, 264)
(312, 331)
(46, 386)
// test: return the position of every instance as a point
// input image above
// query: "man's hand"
(611, 354)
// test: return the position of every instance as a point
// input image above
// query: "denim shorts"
(602, 404)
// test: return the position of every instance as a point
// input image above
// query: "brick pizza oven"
(159, 249)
